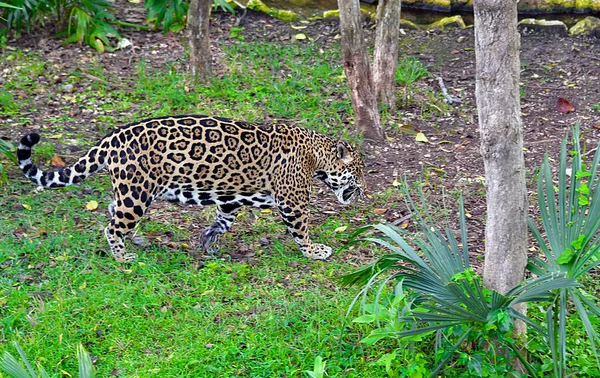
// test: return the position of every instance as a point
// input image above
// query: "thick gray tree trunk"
(498, 105)
(358, 71)
(198, 23)
(385, 60)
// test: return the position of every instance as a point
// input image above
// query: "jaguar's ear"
(343, 152)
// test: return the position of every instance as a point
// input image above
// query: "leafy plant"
(83, 21)
(6, 149)
(224, 5)
(388, 316)
(170, 13)
(452, 300)
(318, 369)
(89, 23)
(570, 244)
(410, 70)
(14, 369)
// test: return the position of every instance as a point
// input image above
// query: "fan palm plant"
(14, 369)
(570, 241)
(451, 297)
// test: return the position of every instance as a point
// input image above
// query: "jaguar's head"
(344, 175)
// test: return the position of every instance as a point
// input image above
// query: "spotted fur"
(211, 161)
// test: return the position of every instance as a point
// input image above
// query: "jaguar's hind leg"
(223, 221)
(125, 214)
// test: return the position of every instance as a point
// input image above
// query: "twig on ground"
(94, 78)
(450, 99)
(238, 20)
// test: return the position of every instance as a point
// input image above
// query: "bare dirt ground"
(553, 67)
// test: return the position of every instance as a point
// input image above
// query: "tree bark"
(358, 71)
(498, 105)
(385, 60)
(200, 56)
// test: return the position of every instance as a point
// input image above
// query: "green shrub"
(82, 21)
(170, 13)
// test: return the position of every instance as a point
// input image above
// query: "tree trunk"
(385, 61)
(358, 71)
(498, 105)
(198, 23)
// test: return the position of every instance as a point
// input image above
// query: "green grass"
(162, 316)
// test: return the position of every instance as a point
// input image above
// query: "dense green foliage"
(87, 21)
(91, 22)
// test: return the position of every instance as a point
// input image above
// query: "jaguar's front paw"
(317, 252)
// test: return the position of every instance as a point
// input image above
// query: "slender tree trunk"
(198, 23)
(385, 60)
(358, 71)
(498, 104)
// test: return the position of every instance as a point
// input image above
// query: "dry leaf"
(404, 224)
(299, 27)
(92, 205)
(420, 137)
(26, 206)
(564, 106)
(340, 229)
(57, 161)
(266, 211)
(408, 129)
(380, 211)
(396, 182)
(300, 36)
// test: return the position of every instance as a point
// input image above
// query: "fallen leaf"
(340, 229)
(55, 136)
(597, 126)
(396, 182)
(564, 106)
(266, 211)
(26, 206)
(57, 161)
(389, 138)
(408, 129)
(92, 205)
(299, 27)
(300, 36)
(380, 211)
(404, 224)
(420, 137)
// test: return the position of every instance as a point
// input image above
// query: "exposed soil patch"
(553, 67)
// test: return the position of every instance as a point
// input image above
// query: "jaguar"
(207, 160)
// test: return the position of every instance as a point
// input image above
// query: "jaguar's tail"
(91, 163)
